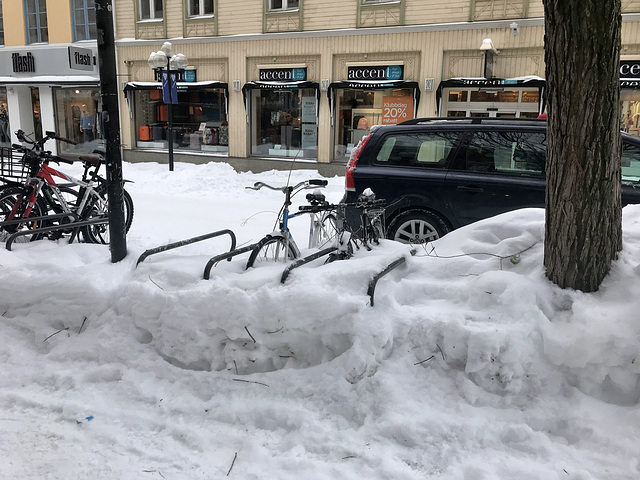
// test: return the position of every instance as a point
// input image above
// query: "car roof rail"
(472, 120)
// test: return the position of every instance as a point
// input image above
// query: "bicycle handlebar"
(306, 184)
(334, 206)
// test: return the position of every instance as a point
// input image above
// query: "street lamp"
(174, 63)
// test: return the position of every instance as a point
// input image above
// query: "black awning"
(528, 81)
(131, 86)
(261, 85)
(373, 85)
(277, 85)
(136, 86)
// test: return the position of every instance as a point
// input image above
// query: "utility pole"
(111, 128)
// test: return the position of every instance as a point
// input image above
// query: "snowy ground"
(467, 367)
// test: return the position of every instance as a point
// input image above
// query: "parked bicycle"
(279, 246)
(43, 203)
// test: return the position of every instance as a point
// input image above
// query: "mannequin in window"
(363, 124)
(86, 125)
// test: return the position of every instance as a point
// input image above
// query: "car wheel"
(417, 226)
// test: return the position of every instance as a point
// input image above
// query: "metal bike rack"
(75, 226)
(305, 260)
(374, 280)
(189, 241)
(226, 256)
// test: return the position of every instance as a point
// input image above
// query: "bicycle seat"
(93, 160)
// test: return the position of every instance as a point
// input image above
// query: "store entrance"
(358, 110)
(284, 123)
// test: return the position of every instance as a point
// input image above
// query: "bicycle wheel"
(271, 249)
(100, 207)
(327, 231)
(13, 203)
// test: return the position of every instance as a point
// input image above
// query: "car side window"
(513, 153)
(630, 161)
(428, 149)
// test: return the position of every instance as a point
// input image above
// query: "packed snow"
(469, 365)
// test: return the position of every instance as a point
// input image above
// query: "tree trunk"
(583, 229)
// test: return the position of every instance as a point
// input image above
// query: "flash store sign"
(81, 59)
(23, 63)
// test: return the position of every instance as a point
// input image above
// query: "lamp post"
(174, 63)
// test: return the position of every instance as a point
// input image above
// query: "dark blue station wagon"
(441, 174)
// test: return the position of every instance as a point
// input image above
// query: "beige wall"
(434, 54)
(13, 16)
(59, 21)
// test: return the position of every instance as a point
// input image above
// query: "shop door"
(35, 103)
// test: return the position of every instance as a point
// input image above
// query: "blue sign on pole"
(169, 88)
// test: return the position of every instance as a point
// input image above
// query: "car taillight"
(349, 182)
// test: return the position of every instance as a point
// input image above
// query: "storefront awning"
(131, 87)
(373, 85)
(481, 82)
(262, 85)
(181, 85)
(54, 80)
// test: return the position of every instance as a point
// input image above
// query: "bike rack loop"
(374, 280)
(305, 260)
(189, 241)
(73, 225)
(226, 256)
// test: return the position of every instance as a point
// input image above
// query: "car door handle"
(464, 188)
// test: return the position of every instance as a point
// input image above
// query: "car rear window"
(511, 152)
(430, 149)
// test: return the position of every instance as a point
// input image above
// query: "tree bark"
(583, 226)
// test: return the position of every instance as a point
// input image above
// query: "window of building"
(198, 8)
(280, 5)
(1, 28)
(369, 2)
(84, 19)
(77, 115)
(36, 21)
(150, 9)
(199, 120)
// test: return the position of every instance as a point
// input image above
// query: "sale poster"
(396, 109)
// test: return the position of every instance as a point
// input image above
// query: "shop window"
(357, 111)
(494, 96)
(36, 21)
(199, 8)
(458, 96)
(5, 129)
(1, 25)
(282, 5)
(530, 97)
(199, 120)
(150, 9)
(284, 123)
(84, 20)
(78, 117)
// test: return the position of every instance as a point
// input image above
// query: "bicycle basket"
(11, 165)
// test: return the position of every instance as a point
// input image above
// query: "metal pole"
(111, 128)
(170, 115)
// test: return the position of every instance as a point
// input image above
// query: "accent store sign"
(389, 72)
(283, 74)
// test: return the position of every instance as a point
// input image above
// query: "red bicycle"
(38, 207)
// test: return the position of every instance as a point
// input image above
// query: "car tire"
(417, 226)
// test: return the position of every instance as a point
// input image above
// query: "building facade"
(281, 79)
(49, 77)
